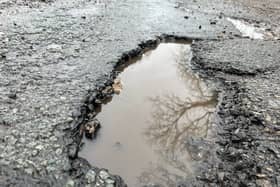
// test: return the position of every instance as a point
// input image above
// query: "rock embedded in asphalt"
(12, 95)
(103, 174)
(54, 48)
(90, 176)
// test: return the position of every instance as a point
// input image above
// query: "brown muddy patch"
(160, 103)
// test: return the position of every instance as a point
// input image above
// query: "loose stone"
(70, 183)
(103, 175)
(90, 176)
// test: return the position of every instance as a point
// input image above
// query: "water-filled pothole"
(145, 127)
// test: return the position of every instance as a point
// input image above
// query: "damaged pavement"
(56, 57)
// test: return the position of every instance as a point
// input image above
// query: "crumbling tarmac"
(57, 57)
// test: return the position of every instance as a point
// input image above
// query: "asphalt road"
(55, 55)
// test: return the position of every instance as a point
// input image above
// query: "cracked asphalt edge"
(247, 143)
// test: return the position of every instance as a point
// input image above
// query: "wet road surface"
(53, 55)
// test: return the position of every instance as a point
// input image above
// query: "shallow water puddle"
(249, 30)
(144, 128)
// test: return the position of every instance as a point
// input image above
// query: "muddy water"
(144, 127)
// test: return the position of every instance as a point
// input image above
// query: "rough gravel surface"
(248, 150)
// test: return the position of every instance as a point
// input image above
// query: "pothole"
(159, 104)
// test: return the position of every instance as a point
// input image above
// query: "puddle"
(248, 30)
(144, 128)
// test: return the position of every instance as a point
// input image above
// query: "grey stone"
(90, 176)
(58, 151)
(104, 175)
(110, 185)
(29, 171)
(70, 183)
(109, 181)
(35, 152)
(51, 168)
(39, 147)
(54, 48)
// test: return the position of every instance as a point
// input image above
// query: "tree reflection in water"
(173, 121)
